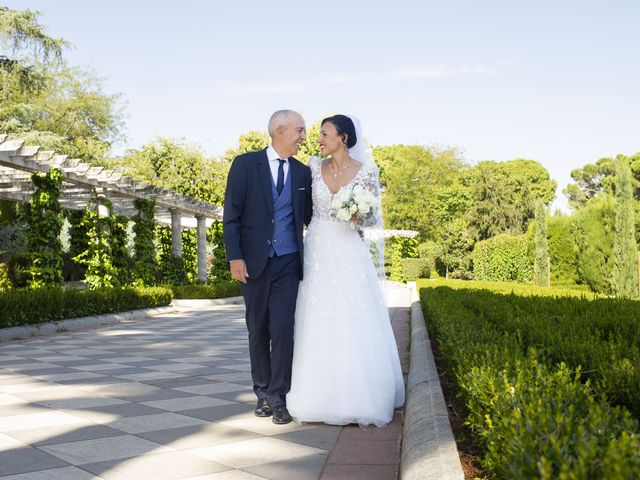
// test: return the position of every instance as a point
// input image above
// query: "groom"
(267, 202)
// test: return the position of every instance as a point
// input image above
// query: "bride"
(345, 361)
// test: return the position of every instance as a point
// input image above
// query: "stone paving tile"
(227, 475)
(322, 436)
(213, 388)
(257, 451)
(9, 443)
(198, 436)
(302, 468)
(66, 473)
(158, 421)
(187, 403)
(27, 459)
(37, 420)
(223, 412)
(102, 449)
(111, 413)
(63, 434)
(160, 466)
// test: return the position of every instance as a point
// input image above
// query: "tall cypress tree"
(540, 270)
(626, 251)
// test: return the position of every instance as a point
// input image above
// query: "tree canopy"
(47, 102)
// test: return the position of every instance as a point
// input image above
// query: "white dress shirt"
(273, 157)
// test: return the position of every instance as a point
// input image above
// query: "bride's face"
(329, 140)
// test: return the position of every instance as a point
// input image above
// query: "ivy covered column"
(202, 248)
(145, 268)
(44, 219)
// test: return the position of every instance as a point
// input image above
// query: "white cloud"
(436, 72)
(279, 88)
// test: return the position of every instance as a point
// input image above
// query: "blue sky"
(553, 81)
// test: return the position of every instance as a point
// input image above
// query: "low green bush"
(215, 290)
(22, 306)
(503, 258)
(414, 268)
(5, 281)
(550, 377)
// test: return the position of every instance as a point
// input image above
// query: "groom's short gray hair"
(279, 119)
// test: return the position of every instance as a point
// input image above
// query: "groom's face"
(293, 134)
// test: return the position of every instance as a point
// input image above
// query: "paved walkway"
(168, 398)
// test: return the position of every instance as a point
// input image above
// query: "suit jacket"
(248, 209)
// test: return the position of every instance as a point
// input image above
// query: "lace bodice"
(367, 177)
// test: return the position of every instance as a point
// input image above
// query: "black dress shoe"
(263, 409)
(281, 415)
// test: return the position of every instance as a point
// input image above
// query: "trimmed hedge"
(22, 306)
(414, 268)
(551, 383)
(216, 290)
(503, 258)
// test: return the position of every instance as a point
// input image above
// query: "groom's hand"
(239, 270)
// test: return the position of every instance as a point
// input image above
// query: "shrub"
(5, 281)
(549, 377)
(593, 231)
(414, 268)
(562, 251)
(22, 306)
(502, 258)
(397, 248)
(432, 252)
(216, 290)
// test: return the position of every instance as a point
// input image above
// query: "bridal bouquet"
(355, 203)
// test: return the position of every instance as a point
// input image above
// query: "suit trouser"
(270, 302)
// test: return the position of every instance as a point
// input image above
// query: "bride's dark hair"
(345, 127)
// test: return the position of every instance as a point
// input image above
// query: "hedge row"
(551, 383)
(503, 258)
(23, 306)
(414, 268)
(215, 290)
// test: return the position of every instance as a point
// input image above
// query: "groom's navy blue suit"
(264, 229)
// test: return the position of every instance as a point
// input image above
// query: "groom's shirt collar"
(273, 158)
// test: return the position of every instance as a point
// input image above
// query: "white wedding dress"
(346, 367)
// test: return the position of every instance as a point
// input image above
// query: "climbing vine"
(144, 257)
(43, 217)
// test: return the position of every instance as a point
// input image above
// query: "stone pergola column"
(176, 233)
(202, 248)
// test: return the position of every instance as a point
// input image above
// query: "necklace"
(338, 171)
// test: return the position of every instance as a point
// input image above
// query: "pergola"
(83, 182)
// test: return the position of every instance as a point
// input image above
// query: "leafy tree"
(251, 141)
(412, 176)
(178, 166)
(592, 179)
(561, 250)
(46, 102)
(457, 248)
(593, 231)
(503, 196)
(626, 251)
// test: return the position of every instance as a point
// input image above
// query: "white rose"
(364, 207)
(353, 209)
(343, 215)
